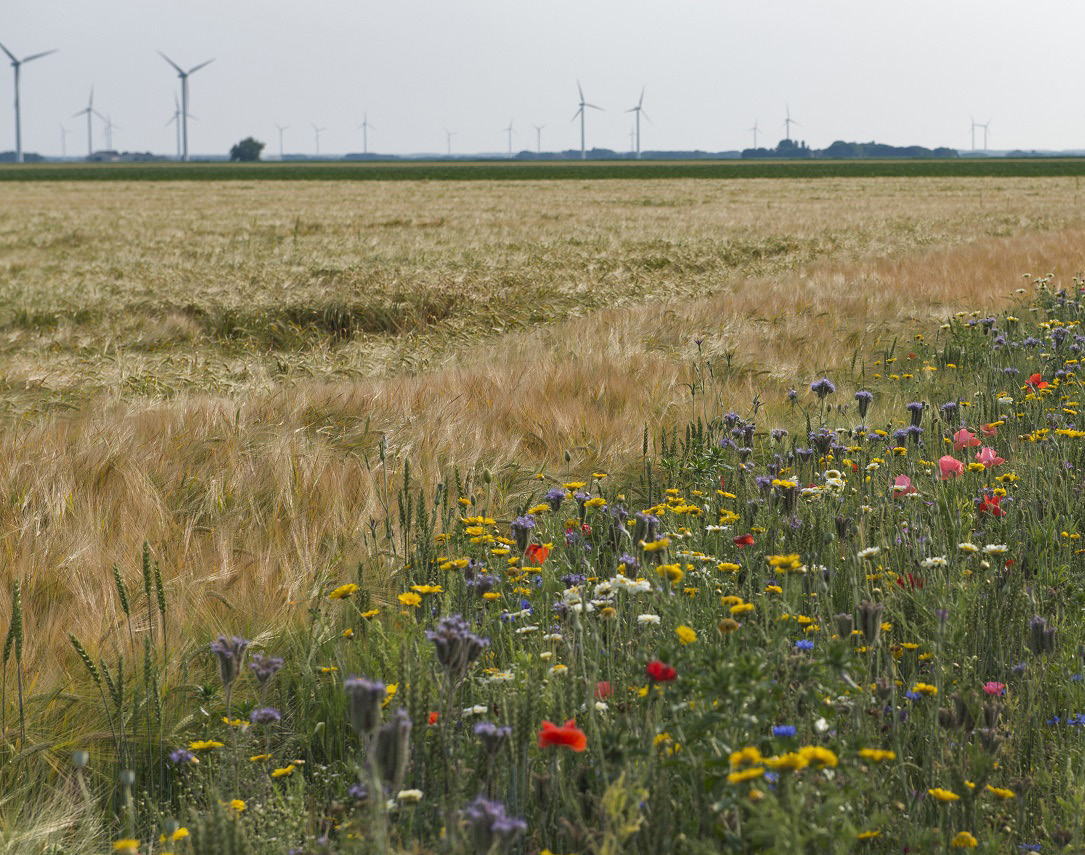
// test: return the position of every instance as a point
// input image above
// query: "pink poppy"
(988, 430)
(993, 688)
(988, 457)
(902, 485)
(950, 467)
(964, 438)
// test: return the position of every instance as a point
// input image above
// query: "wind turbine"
(985, 125)
(318, 132)
(973, 118)
(508, 130)
(448, 138)
(580, 112)
(638, 109)
(15, 64)
(90, 113)
(64, 141)
(538, 137)
(281, 129)
(365, 126)
(177, 120)
(788, 122)
(184, 97)
(755, 129)
(109, 126)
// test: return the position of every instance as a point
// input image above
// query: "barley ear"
(122, 591)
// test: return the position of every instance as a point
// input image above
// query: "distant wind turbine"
(448, 138)
(755, 129)
(184, 97)
(788, 122)
(90, 113)
(318, 132)
(64, 141)
(176, 120)
(538, 137)
(15, 64)
(638, 110)
(973, 118)
(109, 126)
(365, 126)
(508, 130)
(985, 126)
(580, 112)
(281, 129)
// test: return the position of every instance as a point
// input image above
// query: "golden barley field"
(214, 367)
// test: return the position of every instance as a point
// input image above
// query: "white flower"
(995, 549)
(641, 586)
(603, 589)
(552, 636)
(602, 706)
(870, 467)
(475, 710)
(934, 561)
(648, 620)
(409, 796)
(524, 630)
(869, 552)
(812, 491)
(970, 548)
(821, 725)
(558, 670)
(714, 528)
(502, 677)
(835, 483)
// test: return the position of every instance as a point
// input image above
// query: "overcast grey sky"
(901, 73)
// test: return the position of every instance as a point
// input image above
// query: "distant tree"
(247, 150)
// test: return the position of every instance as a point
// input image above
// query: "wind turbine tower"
(15, 64)
(985, 126)
(90, 114)
(638, 110)
(508, 130)
(754, 129)
(176, 120)
(109, 126)
(318, 132)
(64, 141)
(365, 126)
(281, 129)
(184, 75)
(973, 118)
(788, 122)
(538, 138)
(580, 112)
(448, 138)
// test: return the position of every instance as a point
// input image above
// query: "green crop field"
(500, 170)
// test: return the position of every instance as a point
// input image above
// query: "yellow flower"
(342, 592)
(389, 693)
(179, 834)
(925, 689)
(204, 744)
(574, 485)
(686, 634)
(235, 804)
(728, 567)
(655, 545)
(348, 633)
(749, 756)
(877, 755)
(410, 600)
(595, 502)
(372, 613)
(868, 835)
(673, 572)
(283, 772)
(964, 840)
(785, 563)
(731, 600)
(773, 589)
(327, 669)
(256, 758)
(792, 761)
(427, 589)
(728, 625)
(750, 774)
(944, 795)
(742, 608)
(127, 846)
(999, 792)
(818, 757)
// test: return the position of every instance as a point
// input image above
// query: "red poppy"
(744, 540)
(911, 581)
(433, 716)
(536, 554)
(992, 505)
(723, 483)
(568, 735)
(661, 672)
(602, 690)
(1036, 381)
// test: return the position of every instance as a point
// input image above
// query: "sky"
(859, 70)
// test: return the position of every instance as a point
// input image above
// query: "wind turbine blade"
(196, 68)
(579, 88)
(641, 101)
(650, 122)
(176, 103)
(594, 107)
(90, 103)
(81, 112)
(171, 62)
(632, 109)
(11, 56)
(99, 115)
(171, 121)
(577, 113)
(39, 55)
